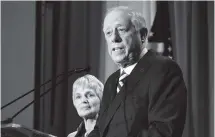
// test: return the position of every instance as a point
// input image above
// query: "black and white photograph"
(107, 68)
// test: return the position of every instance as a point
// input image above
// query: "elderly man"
(146, 97)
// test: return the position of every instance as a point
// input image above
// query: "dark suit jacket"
(152, 102)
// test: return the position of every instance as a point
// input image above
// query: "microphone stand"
(9, 120)
(71, 71)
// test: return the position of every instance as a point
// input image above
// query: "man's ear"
(143, 34)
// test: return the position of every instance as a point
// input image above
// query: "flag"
(160, 31)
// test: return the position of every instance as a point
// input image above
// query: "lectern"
(17, 130)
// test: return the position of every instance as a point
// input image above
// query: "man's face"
(124, 42)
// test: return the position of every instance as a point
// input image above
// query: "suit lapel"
(110, 91)
(114, 105)
(109, 95)
(138, 72)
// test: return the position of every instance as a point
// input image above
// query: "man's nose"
(116, 37)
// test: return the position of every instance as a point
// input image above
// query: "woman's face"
(86, 102)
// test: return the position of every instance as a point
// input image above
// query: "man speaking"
(147, 96)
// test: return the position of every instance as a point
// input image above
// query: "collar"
(129, 69)
(144, 51)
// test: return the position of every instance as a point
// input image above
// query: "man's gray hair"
(91, 82)
(136, 17)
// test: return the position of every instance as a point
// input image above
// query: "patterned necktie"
(121, 81)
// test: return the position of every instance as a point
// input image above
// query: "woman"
(87, 95)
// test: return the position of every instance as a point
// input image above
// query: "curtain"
(70, 38)
(192, 37)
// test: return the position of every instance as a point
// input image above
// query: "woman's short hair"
(91, 82)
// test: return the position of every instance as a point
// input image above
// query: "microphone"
(69, 73)
(76, 70)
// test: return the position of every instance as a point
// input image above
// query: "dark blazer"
(80, 131)
(152, 102)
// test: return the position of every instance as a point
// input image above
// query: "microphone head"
(78, 70)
